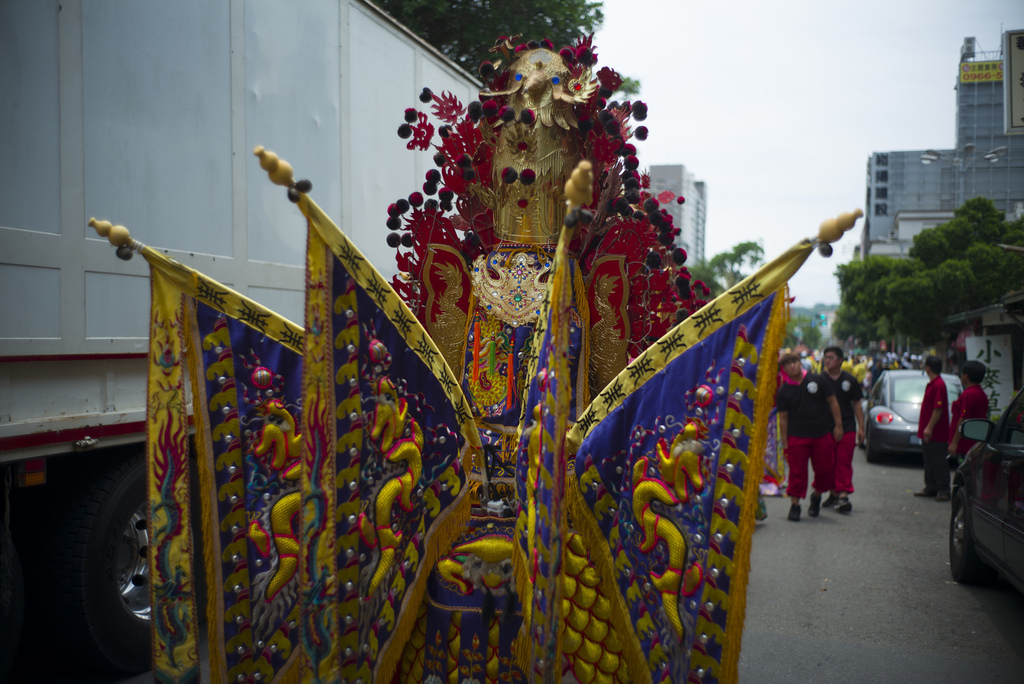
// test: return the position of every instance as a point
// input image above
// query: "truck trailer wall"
(146, 114)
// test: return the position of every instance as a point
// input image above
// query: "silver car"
(894, 405)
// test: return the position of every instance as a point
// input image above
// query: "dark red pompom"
(547, 45)
(433, 176)
(411, 115)
(402, 205)
(631, 162)
(655, 219)
(585, 124)
(638, 215)
(430, 205)
(394, 223)
(468, 174)
(392, 210)
(627, 149)
(445, 131)
(640, 133)
(653, 260)
(439, 159)
(394, 239)
(584, 56)
(612, 126)
(533, 45)
(650, 204)
(405, 131)
(567, 54)
(416, 199)
(445, 194)
(527, 176)
(509, 175)
(489, 108)
(527, 116)
(486, 69)
(665, 239)
(464, 161)
(474, 110)
(604, 92)
(622, 206)
(680, 199)
(429, 188)
(406, 240)
(426, 95)
(639, 111)
(506, 114)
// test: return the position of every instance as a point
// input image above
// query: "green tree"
(954, 267)
(851, 325)
(702, 272)
(802, 329)
(630, 88)
(465, 30)
(730, 267)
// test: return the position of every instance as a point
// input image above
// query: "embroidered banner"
(664, 475)
(541, 475)
(660, 489)
(388, 433)
(245, 371)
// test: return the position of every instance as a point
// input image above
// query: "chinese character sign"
(995, 352)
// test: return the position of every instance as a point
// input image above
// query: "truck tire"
(97, 571)
(12, 601)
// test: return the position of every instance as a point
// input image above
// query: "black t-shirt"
(807, 405)
(847, 391)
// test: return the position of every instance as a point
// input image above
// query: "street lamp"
(961, 161)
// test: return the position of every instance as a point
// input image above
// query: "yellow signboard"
(981, 72)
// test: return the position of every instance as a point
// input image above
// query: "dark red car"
(986, 528)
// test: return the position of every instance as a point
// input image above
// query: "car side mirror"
(977, 429)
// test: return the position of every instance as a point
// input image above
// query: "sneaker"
(812, 510)
(794, 512)
(843, 505)
(830, 501)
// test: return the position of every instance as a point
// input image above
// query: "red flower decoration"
(447, 108)
(423, 133)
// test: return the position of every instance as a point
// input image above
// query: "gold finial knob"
(116, 235)
(279, 171)
(832, 229)
(579, 189)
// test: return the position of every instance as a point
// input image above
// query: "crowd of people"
(820, 421)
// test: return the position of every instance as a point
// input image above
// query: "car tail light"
(884, 418)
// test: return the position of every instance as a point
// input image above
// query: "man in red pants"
(848, 394)
(808, 412)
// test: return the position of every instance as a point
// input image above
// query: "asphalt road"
(865, 597)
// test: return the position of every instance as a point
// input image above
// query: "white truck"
(146, 114)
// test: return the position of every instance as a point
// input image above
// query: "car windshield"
(910, 390)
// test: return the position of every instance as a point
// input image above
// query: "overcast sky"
(778, 104)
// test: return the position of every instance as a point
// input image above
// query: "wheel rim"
(132, 564)
(959, 531)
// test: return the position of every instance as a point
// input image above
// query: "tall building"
(690, 216)
(908, 191)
